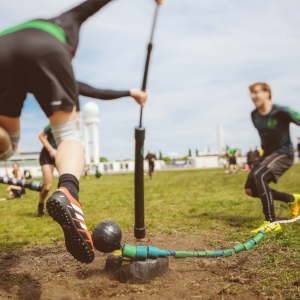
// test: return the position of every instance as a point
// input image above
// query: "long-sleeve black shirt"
(89, 91)
(274, 131)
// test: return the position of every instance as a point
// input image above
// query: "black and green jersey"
(66, 26)
(231, 152)
(50, 137)
(274, 130)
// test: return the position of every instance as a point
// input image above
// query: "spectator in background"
(16, 191)
(151, 159)
(251, 158)
(256, 153)
(232, 153)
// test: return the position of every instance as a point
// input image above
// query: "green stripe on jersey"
(53, 29)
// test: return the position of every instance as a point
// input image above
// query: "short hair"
(264, 86)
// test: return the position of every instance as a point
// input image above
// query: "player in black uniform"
(36, 57)
(151, 159)
(49, 151)
(272, 122)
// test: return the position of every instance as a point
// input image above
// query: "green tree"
(197, 152)
(190, 152)
(160, 156)
(103, 159)
(167, 160)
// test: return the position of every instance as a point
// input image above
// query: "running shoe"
(267, 226)
(294, 206)
(67, 212)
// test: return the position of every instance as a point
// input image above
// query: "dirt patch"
(49, 272)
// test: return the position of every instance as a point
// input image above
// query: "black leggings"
(262, 177)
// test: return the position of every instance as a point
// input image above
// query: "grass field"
(187, 201)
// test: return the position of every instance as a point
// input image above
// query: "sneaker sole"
(74, 242)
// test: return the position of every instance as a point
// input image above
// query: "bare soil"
(49, 272)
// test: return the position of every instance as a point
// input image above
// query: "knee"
(47, 188)
(248, 192)
(8, 143)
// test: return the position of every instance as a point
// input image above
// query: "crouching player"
(272, 123)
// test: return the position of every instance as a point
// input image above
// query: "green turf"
(187, 201)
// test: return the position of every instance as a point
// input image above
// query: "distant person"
(97, 172)
(272, 123)
(251, 158)
(232, 155)
(256, 154)
(16, 191)
(27, 174)
(298, 148)
(151, 159)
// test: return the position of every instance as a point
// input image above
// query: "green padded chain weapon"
(129, 253)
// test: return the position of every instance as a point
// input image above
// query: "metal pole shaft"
(139, 227)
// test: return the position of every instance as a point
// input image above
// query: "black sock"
(41, 205)
(71, 183)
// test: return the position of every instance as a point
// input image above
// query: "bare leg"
(7, 124)
(47, 171)
(63, 205)
(70, 156)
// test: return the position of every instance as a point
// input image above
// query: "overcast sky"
(205, 55)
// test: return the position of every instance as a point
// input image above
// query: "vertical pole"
(139, 227)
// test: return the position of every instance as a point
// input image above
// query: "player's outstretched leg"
(67, 212)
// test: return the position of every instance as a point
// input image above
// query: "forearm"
(86, 9)
(89, 91)
(45, 142)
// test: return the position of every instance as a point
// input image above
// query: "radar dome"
(91, 113)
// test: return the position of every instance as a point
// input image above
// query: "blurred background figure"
(256, 154)
(151, 159)
(232, 154)
(251, 158)
(16, 191)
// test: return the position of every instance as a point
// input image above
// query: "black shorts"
(34, 61)
(45, 158)
(232, 160)
(278, 163)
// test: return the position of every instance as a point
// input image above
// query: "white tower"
(91, 118)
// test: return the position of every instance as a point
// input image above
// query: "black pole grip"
(32, 185)
(139, 227)
(144, 85)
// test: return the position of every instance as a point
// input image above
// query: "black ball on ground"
(107, 236)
